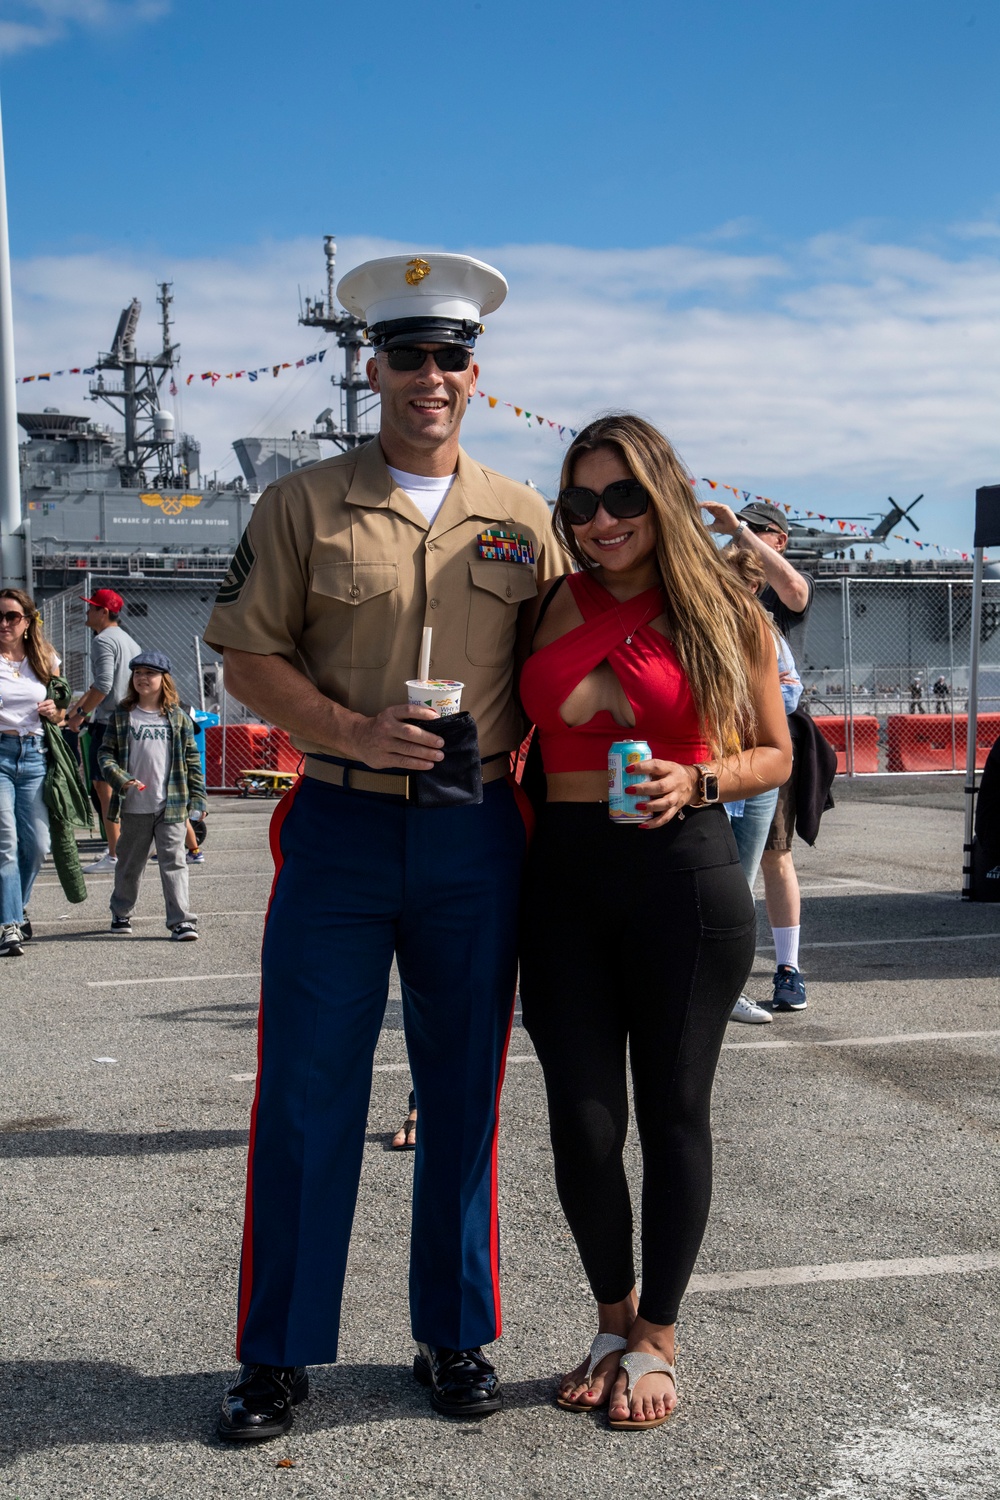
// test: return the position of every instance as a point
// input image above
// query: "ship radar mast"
(149, 430)
(357, 401)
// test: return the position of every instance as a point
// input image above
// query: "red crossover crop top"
(645, 664)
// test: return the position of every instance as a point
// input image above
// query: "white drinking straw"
(424, 668)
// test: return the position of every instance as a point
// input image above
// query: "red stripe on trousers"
(494, 1184)
(527, 812)
(278, 817)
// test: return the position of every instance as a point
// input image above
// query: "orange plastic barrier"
(247, 749)
(284, 756)
(833, 728)
(923, 742)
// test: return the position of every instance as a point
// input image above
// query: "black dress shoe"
(463, 1382)
(258, 1405)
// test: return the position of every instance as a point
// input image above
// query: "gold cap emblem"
(416, 270)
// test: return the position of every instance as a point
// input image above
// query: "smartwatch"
(708, 786)
(740, 529)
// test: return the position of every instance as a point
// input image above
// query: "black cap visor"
(395, 331)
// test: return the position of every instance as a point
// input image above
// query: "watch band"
(708, 780)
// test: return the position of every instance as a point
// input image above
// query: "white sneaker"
(754, 1015)
(101, 866)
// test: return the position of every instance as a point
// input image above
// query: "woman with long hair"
(637, 937)
(27, 664)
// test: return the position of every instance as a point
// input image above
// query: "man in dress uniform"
(320, 620)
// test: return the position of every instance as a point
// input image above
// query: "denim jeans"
(751, 830)
(24, 822)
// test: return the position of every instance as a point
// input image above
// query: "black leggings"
(639, 937)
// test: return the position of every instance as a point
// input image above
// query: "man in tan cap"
(320, 620)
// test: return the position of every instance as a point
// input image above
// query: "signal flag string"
(851, 530)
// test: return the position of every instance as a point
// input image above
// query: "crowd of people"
(140, 747)
(409, 836)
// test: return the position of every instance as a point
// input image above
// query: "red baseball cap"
(106, 599)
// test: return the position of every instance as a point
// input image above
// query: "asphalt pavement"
(841, 1339)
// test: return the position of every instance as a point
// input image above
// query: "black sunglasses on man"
(450, 358)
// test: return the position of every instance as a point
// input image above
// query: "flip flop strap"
(604, 1344)
(637, 1364)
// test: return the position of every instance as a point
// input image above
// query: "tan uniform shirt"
(338, 572)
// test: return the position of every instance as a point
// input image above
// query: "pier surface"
(840, 1340)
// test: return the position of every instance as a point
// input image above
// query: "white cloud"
(38, 23)
(826, 377)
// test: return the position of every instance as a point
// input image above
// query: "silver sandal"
(636, 1365)
(603, 1345)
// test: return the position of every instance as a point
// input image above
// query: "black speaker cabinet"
(988, 516)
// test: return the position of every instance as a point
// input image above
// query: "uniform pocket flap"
(511, 582)
(355, 582)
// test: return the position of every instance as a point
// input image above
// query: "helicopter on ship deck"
(810, 542)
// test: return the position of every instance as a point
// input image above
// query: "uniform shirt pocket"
(357, 602)
(497, 591)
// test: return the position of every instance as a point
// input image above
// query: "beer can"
(623, 756)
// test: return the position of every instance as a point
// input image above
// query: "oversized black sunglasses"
(765, 530)
(11, 617)
(624, 500)
(449, 359)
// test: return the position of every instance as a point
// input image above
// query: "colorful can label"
(623, 756)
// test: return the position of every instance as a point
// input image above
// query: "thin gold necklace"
(15, 666)
(646, 616)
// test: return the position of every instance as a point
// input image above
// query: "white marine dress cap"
(433, 298)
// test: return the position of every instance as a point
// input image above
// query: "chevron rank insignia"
(504, 546)
(239, 571)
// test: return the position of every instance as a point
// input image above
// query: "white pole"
(201, 675)
(971, 719)
(13, 553)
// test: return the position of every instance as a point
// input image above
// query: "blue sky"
(773, 226)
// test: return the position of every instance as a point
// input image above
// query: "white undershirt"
(427, 493)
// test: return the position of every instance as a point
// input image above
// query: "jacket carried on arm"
(185, 781)
(65, 799)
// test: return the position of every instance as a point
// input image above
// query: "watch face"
(710, 785)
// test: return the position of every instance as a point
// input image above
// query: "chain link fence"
(886, 672)
(170, 615)
(885, 669)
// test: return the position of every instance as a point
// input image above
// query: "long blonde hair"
(714, 624)
(40, 652)
(169, 696)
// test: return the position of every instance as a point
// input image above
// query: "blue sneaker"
(789, 989)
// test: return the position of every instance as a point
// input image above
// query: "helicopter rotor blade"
(906, 513)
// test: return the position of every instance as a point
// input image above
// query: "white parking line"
(105, 984)
(898, 1038)
(860, 1041)
(50, 922)
(834, 884)
(879, 942)
(848, 1270)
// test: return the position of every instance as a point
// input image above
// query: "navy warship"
(126, 507)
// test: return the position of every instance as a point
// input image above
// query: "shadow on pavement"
(22, 1144)
(858, 921)
(50, 1404)
(238, 1015)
